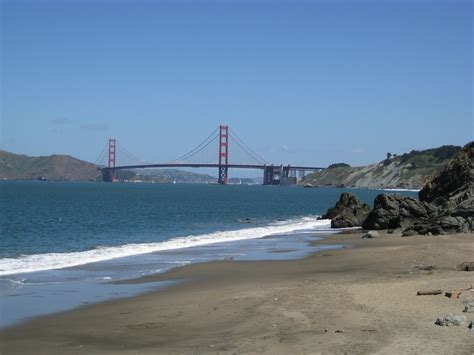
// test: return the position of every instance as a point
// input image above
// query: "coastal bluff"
(410, 170)
(446, 203)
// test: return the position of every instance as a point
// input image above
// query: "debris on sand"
(453, 294)
(451, 320)
(429, 293)
(466, 266)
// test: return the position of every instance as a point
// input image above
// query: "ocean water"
(62, 243)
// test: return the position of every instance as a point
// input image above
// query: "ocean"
(62, 244)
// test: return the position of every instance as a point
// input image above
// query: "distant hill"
(66, 168)
(53, 167)
(410, 170)
(165, 176)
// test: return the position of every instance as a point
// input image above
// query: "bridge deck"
(230, 166)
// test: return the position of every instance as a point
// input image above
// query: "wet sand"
(355, 300)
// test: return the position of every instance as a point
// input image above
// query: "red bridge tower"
(223, 154)
(110, 175)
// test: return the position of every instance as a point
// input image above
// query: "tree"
(389, 155)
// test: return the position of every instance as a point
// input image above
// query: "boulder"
(409, 232)
(397, 211)
(370, 235)
(348, 212)
(426, 228)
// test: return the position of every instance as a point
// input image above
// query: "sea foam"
(50, 261)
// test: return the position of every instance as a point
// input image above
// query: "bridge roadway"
(272, 174)
(230, 166)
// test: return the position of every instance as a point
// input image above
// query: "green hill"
(410, 170)
(53, 167)
(66, 168)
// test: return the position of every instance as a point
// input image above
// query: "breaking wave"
(50, 261)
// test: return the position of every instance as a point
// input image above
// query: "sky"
(301, 82)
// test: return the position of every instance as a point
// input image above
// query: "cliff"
(411, 170)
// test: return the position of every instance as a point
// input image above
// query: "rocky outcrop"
(446, 203)
(452, 191)
(396, 211)
(348, 212)
(454, 184)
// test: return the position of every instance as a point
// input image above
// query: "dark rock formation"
(396, 211)
(348, 212)
(454, 184)
(446, 203)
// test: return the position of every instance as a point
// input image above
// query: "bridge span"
(272, 174)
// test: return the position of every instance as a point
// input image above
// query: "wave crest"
(50, 261)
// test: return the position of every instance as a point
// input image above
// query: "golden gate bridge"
(204, 156)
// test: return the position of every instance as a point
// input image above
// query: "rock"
(409, 233)
(452, 192)
(370, 234)
(397, 211)
(395, 231)
(446, 202)
(451, 320)
(454, 184)
(348, 212)
(469, 308)
(425, 228)
(452, 224)
(466, 266)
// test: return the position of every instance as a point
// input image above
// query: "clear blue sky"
(303, 82)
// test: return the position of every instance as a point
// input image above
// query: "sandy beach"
(357, 300)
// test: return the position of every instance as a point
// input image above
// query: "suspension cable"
(101, 155)
(198, 148)
(191, 154)
(130, 155)
(256, 156)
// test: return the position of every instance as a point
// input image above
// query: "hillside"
(66, 168)
(53, 167)
(410, 170)
(165, 176)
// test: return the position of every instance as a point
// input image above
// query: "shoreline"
(367, 292)
(62, 290)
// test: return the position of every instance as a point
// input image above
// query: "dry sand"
(357, 301)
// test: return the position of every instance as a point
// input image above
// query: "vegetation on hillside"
(339, 165)
(66, 168)
(410, 170)
(54, 167)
